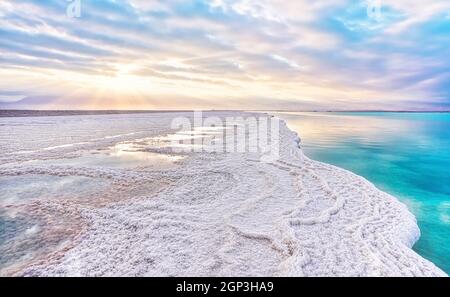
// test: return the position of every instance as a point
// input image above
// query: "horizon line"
(73, 112)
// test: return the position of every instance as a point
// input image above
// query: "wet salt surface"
(30, 234)
(122, 155)
(30, 226)
(90, 173)
(19, 189)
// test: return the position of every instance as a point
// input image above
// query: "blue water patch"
(405, 154)
(21, 189)
(10, 229)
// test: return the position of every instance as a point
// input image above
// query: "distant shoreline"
(47, 113)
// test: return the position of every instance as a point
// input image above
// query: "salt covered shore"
(217, 214)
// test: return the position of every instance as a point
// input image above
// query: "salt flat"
(209, 214)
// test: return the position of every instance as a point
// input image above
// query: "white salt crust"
(232, 215)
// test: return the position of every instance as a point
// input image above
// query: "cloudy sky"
(225, 54)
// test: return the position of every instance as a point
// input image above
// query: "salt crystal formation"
(212, 214)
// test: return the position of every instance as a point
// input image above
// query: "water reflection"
(128, 154)
(31, 227)
(21, 189)
(197, 138)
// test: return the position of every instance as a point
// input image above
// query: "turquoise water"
(404, 154)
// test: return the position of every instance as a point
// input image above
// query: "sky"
(225, 54)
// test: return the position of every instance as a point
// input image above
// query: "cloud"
(227, 54)
(9, 97)
(416, 12)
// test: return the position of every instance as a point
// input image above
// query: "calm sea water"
(404, 154)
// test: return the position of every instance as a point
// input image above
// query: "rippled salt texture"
(207, 214)
(404, 154)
